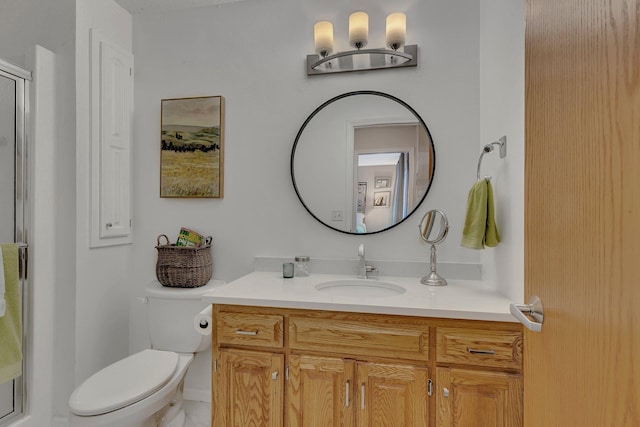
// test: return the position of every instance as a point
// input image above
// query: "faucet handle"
(361, 250)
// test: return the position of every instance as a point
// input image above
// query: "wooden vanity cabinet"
(302, 368)
(392, 395)
(476, 398)
(250, 389)
(335, 392)
(320, 391)
(479, 376)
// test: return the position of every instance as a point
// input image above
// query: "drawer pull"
(477, 351)
(241, 332)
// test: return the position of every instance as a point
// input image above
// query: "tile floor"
(198, 413)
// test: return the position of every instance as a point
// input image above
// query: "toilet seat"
(123, 383)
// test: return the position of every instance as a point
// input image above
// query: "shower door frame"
(21, 220)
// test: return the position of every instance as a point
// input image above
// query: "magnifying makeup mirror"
(433, 228)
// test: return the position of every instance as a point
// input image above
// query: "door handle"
(534, 309)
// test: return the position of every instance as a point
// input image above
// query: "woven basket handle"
(165, 238)
(208, 240)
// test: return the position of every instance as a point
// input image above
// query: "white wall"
(95, 279)
(258, 64)
(502, 24)
(24, 24)
(259, 68)
(102, 288)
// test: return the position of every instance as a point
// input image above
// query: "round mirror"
(434, 227)
(362, 162)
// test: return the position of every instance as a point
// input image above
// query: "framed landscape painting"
(192, 147)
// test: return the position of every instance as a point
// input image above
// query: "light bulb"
(323, 37)
(358, 29)
(396, 30)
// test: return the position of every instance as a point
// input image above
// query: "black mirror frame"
(336, 98)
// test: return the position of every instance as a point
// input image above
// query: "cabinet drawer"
(483, 347)
(260, 330)
(360, 337)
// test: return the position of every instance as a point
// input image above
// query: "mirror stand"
(433, 278)
(433, 230)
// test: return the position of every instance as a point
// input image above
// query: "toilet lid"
(124, 382)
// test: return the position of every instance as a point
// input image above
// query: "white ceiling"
(160, 6)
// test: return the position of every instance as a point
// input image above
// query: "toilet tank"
(170, 313)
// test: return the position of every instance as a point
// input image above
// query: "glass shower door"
(12, 201)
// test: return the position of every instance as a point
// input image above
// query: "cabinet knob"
(109, 225)
(445, 392)
(274, 375)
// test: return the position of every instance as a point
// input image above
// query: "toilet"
(145, 389)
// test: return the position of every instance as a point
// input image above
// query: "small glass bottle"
(302, 266)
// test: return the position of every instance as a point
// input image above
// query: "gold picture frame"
(192, 147)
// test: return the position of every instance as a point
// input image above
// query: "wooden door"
(582, 212)
(248, 389)
(391, 395)
(471, 398)
(320, 392)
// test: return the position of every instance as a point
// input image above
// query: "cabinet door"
(391, 395)
(248, 389)
(111, 138)
(320, 392)
(468, 398)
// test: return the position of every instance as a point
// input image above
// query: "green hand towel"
(491, 236)
(479, 225)
(11, 322)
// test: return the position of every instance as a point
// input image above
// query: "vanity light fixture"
(396, 55)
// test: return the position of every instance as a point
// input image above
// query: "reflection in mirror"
(362, 162)
(433, 228)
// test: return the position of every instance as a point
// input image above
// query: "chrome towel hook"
(502, 143)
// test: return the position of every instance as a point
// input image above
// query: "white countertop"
(461, 299)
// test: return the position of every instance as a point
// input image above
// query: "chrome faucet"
(363, 267)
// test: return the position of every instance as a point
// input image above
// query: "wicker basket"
(184, 266)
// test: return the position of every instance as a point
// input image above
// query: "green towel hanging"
(11, 322)
(480, 229)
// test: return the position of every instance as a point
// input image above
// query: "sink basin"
(360, 288)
